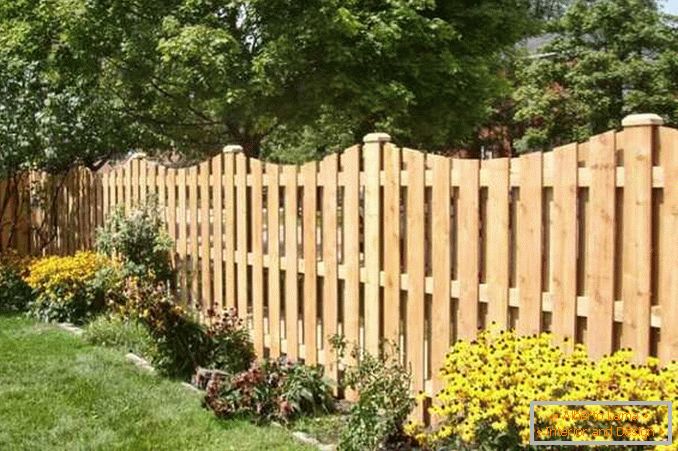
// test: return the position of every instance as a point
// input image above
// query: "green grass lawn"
(57, 392)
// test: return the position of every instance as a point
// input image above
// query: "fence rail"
(381, 242)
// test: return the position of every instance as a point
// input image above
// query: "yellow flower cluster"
(490, 382)
(63, 277)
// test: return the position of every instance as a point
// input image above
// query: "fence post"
(638, 146)
(373, 143)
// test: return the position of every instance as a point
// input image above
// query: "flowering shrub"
(15, 293)
(376, 420)
(181, 342)
(230, 346)
(273, 390)
(490, 382)
(139, 240)
(67, 288)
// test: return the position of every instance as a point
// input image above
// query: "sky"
(670, 6)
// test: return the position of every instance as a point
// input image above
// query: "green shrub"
(376, 420)
(68, 288)
(181, 342)
(273, 390)
(231, 349)
(491, 381)
(139, 240)
(122, 333)
(15, 294)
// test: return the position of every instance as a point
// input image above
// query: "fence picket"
(309, 240)
(637, 143)
(530, 243)
(257, 258)
(329, 168)
(273, 210)
(291, 264)
(469, 249)
(601, 248)
(564, 238)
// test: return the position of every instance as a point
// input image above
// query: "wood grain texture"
(310, 301)
(497, 244)
(441, 335)
(273, 209)
(257, 281)
(564, 239)
(637, 145)
(392, 239)
(530, 243)
(600, 234)
(291, 263)
(469, 248)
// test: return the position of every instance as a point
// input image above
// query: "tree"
(609, 58)
(193, 75)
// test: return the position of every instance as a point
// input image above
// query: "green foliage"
(15, 294)
(608, 59)
(376, 420)
(273, 390)
(194, 75)
(231, 349)
(122, 333)
(139, 240)
(68, 288)
(181, 343)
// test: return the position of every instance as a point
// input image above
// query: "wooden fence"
(382, 242)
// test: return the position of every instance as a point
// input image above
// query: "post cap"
(138, 155)
(232, 148)
(635, 120)
(377, 138)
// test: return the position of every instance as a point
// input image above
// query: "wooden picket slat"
(668, 270)
(415, 332)
(171, 187)
(441, 335)
(310, 301)
(601, 243)
(229, 229)
(143, 179)
(273, 211)
(564, 239)
(218, 233)
(497, 243)
(194, 249)
(257, 258)
(241, 232)
(329, 169)
(351, 248)
(291, 264)
(530, 243)
(469, 248)
(372, 159)
(182, 242)
(636, 143)
(206, 298)
(391, 237)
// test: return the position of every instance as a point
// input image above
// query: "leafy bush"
(230, 346)
(181, 342)
(490, 383)
(139, 240)
(68, 288)
(376, 420)
(15, 294)
(273, 390)
(122, 333)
